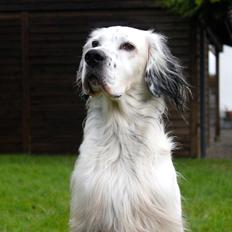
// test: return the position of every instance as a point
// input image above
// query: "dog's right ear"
(79, 73)
(79, 81)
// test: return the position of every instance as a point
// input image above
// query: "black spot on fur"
(168, 80)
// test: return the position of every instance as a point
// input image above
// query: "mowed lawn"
(34, 193)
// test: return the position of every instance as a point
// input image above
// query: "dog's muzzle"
(95, 60)
(94, 81)
(95, 78)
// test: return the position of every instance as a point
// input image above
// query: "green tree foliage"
(190, 7)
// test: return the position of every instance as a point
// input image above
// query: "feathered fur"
(124, 179)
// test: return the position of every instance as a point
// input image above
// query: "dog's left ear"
(163, 74)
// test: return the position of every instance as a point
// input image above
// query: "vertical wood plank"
(218, 126)
(26, 104)
(207, 93)
(203, 105)
(194, 123)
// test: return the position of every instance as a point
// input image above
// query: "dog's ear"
(79, 75)
(79, 81)
(163, 74)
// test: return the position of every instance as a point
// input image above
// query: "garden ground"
(34, 193)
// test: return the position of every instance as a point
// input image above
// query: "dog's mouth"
(95, 85)
(91, 85)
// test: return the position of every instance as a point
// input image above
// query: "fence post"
(26, 101)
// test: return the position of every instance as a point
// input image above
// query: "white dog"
(124, 179)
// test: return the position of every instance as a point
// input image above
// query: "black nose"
(95, 57)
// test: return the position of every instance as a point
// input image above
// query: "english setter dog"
(124, 179)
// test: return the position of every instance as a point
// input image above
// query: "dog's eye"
(95, 43)
(127, 46)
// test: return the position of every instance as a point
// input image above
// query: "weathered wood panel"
(53, 51)
(194, 81)
(57, 112)
(46, 5)
(209, 95)
(56, 41)
(10, 84)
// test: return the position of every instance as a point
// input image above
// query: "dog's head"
(117, 58)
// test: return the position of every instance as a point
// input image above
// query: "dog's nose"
(95, 57)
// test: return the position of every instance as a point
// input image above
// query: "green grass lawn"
(34, 193)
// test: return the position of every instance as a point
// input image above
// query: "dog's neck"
(136, 119)
(137, 102)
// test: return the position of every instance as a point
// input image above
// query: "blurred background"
(41, 44)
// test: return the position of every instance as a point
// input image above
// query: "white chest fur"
(124, 179)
